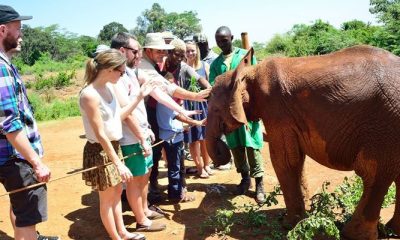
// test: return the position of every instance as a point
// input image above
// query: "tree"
(183, 24)
(157, 19)
(88, 45)
(36, 42)
(110, 30)
(388, 13)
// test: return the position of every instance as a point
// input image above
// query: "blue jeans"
(176, 169)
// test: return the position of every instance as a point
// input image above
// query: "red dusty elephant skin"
(341, 109)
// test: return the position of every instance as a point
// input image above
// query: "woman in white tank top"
(101, 115)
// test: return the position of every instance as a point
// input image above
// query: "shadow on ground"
(219, 196)
(86, 221)
(4, 236)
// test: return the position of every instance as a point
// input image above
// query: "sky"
(261, 19)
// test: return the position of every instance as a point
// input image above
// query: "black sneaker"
(41, 237)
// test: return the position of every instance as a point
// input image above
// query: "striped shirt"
(15, 111)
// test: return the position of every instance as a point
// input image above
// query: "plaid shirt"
(15, 112)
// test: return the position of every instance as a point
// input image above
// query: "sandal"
(209, 170)
(153, 227)
(133, 236)
(154, 215)
(157, 209)
(204, 175)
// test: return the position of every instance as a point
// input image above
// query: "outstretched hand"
(148, 87)
(203, 94)
(188, 113)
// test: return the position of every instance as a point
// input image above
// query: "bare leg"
(144, 184)
(25, 233)
(134, 193)
(195, 152)
(109, 199)
(12, 218)
(205, 156)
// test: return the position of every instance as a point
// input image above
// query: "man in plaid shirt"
(20, 145)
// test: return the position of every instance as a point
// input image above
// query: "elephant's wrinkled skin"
(341, 109)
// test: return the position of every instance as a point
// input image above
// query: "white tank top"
(110, 114)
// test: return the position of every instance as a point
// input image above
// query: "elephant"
(341, 109)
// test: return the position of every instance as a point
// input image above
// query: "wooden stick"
(75, 173)
(245, 40)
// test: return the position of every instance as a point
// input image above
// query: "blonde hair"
(178, 44)
(197, 60)
(107, 59)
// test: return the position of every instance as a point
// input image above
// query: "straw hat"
(156, 41)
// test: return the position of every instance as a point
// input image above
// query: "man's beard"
(9, 43)
(131, 63)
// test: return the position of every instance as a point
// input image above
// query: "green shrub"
(330, 211)
(55, 109)
(62, 79)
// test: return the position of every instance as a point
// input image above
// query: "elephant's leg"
(288, 161)
(363, 224)
(394, 223)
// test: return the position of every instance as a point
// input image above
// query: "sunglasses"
(134, 51)
(121, 73)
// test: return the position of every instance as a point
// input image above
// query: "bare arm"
(145, 89)
(185, 94)
(204, 83)
(21, 143)
(190, 121)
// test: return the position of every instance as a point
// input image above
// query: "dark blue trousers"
(176, 169)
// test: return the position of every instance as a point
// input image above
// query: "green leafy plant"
(331, 210)
(194, 86)
(249, 215)
(55, 109)
(314, 225)
(62, 79)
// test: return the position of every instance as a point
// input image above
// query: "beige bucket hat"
(156, 41)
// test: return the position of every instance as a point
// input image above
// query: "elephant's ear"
(236, 104)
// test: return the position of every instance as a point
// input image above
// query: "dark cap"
(8, 14)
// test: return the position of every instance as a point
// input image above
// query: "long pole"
(245, 40)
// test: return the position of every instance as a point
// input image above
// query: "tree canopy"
(157, 19)
(54, 44)
(110, 30)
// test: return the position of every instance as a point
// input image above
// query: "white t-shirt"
(128, 86)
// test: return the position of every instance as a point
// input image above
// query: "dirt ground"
(73, 207)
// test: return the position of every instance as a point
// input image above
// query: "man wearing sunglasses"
(136, 129)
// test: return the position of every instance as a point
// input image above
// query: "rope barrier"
(81, 171)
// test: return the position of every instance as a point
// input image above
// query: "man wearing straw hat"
(155, 50)
(20, 145)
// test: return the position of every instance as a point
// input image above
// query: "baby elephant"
(341, 109)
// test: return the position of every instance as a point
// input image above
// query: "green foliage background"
(51, 49)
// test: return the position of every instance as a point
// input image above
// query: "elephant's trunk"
(217, 149)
